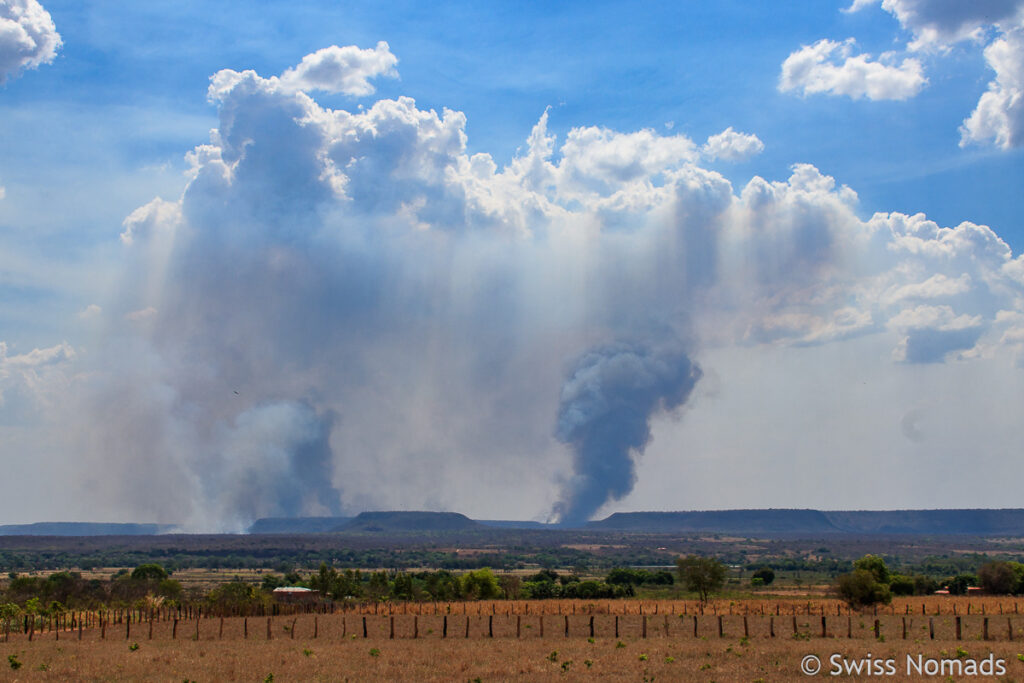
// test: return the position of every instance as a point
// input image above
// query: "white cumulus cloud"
(938, 23)
(999, 116)
(345, 70)
(831, 68)
(28, 37)
(732, 145)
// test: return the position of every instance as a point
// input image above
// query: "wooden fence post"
(958, 632)
(878, 629)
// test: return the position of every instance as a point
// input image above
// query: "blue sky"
(126, 300)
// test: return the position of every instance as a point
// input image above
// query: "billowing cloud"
(347, 310)
(937, 24)
(345, 70)
(731, 145)
(831, 68)
(999, 116)
(28, 37)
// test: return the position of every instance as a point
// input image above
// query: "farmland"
(102, 622)
(522, 640)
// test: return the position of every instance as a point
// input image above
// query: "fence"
(936, 620)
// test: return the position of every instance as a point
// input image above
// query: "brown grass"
(332, 647)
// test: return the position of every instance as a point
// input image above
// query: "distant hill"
(978, 521)
(514, 524)
(865, 522)
(742, 522)
(297, 525)
(371, 522)
(84, 529)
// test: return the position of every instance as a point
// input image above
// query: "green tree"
(511, 586)
(480, 585)
(998, 578)
(766, 574)
(402, 587)
(325, 580)
(958, 584)
(901, 585)
(149, 572)
(875, 565)
(702, 575)
(860, 588)
(8, 611)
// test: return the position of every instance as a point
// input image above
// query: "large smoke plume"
(605, 416)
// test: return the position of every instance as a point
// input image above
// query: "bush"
(875, 565)
(958, 584)
(480, 585)
(1000, 578)
(766, 574)
(860, 588)
(146, 572)
(901, 585)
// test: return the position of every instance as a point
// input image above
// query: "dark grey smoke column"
(606, 407)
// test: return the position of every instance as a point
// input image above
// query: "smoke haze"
(346, 309)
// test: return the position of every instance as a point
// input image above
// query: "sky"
(542, 261)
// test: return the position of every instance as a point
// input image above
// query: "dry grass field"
(750, 644)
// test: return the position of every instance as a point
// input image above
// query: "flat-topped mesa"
(401, 520)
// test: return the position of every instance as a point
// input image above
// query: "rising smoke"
(605, 416)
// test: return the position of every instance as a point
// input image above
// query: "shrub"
(998, 578)
(875, 565)
(861, 588)
(901, 585)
